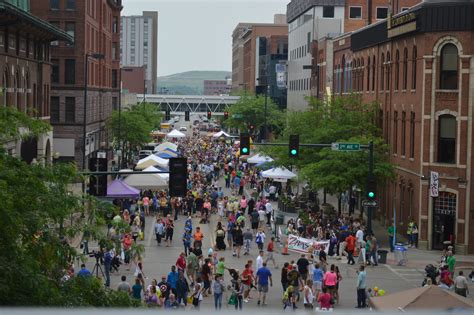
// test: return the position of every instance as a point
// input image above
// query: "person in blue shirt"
(188, 225)
(137, 290)
(361, 286)
(187, 241)
(264, 277)
(84, 272)
(173, 278)
(318, 275)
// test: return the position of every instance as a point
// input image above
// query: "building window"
(114, 79)
(413, 69)
(70, 109)
(405, 68)
(328, 11)
(355, 12)
(382, 72)
(54, 109)
(54, 4)
(395, 132)
(55, 71)
(69, 71)
(373, 73)
(71, 31)
(397, 69)
(368, 74)
(70, 4)
(412, 135)
(447, 139)
(389, 70)
(308, 40)
(404, 125)
(382, 13)
(449, 68)
(115, 25)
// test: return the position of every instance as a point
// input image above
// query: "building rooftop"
(297, 7)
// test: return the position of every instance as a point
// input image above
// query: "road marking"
(403, 275)
(151, 233)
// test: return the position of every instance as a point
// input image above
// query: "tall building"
(139, 45)
(419, 70)
(217, 87)
(26, 73)
(95, 27)
(312, 20)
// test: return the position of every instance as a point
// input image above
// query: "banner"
(280, 70)
(434, 184)
(304, 245)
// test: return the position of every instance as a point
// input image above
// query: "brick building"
(95, 26)
(419, 69)
(26, 72)
(133, 79)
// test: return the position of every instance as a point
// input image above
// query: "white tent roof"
(175, 134)
(166, 145)
(279, 173)
(221, 134)
(259, 158)
(165, 176)
(151, 160)
(146, 181)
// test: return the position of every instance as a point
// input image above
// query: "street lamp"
(265, 80)
(96, 56)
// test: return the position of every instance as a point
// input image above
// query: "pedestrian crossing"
(412, 275)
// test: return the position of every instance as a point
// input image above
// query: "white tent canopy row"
(146, 181)
(221, 134)
(259, 158)
(165, 176)
(152, 160)
(166, 145)
(175, 134)
(280, 174)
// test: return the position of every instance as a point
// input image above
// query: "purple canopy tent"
(118, 189)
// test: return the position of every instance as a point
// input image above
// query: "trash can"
(280, 218)
(382, 253)
(401, 254)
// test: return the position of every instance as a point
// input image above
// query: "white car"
(183, 129)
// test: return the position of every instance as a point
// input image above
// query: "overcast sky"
(196, 34)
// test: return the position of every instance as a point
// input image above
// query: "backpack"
(258, 239)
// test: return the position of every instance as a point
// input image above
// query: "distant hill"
(190, 82)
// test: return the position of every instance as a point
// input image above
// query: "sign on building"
(434, 184)
(280, 69)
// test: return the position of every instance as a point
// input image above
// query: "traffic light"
(371, 188)
(209, 115)
(226, 115)
(294, 147)
(244, 144)
(167, 115)
(186, 115)
(178, 182)
(98, 183)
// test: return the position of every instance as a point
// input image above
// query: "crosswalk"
(414, 276)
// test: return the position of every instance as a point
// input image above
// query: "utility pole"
(370, 209)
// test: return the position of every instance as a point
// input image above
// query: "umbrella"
(259, 158)
(424, 298)
(151, 160)
(279, 173)
(166, 145)
(146, 181)
(220, 134)
(175, 134)
(119, 189)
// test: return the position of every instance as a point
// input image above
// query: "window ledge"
(404, 91)
(413, 91)
(446, 91)
(394, 154)
(403, 157)
(412, 159)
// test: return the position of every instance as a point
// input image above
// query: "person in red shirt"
(247, 281)
(350, 247)
(324, 299)
(270, 249)
(181, 262)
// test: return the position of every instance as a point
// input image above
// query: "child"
(289, 298)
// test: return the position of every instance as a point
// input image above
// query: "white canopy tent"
(221, 134)
(152, 160)
(166, 145)
(165, 176)
(259, 158)
(280, 174)
(146, 181)
(175, 134)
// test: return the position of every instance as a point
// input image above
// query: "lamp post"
(119, 136)
(96, 56)
(265, 80)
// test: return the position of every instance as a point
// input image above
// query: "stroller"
(431, 273)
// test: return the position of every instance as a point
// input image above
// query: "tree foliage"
(38, 216)
(344, 120)
(134, 126)
(250, 110)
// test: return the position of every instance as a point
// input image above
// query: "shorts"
(270, 256)
(317, 285)
(263, 288)
(247, 287)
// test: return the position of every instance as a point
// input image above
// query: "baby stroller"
(431, 273)
(114, 266)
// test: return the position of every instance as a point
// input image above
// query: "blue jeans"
(218, 300)
(390, 239)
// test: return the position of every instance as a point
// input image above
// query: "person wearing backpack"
(260, 239)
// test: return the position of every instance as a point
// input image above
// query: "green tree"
(135, 124)
(251, 110)
(345, 119)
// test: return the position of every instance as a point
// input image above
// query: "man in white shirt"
(259, 260)
(272, 191)
(360, 236)
(268, 211)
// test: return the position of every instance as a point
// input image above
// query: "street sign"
(345, 146)
(367, 203)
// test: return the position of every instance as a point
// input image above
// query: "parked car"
(144, 153)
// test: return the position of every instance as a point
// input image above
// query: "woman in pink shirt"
(330, 280)
(243, 204)
(146, 205)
